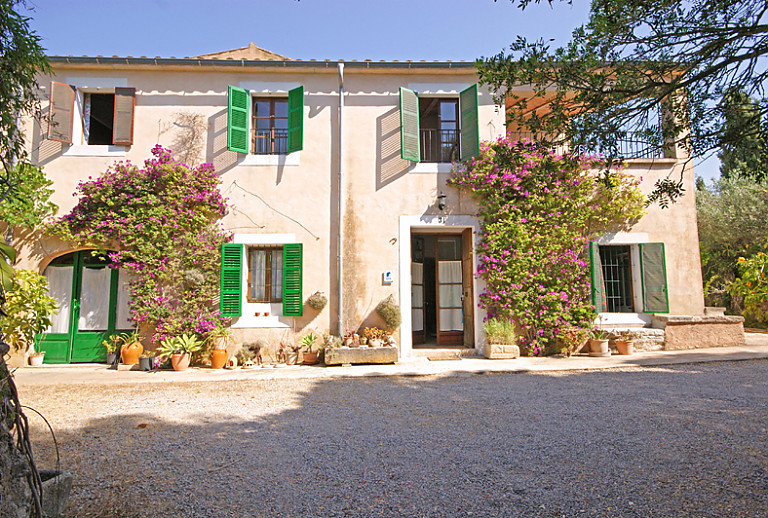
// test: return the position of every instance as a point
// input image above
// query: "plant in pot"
(598, 341)
(375, 336)
(389, 312)
(291, 352)
(499, 331)
(625, 342)
(219, 339)
(130, 347)
(307, 341)
(36, 358)
(351, 339)
(111, 346)
(317, 301)
(180, 349)
(147, 360)
(571, 340)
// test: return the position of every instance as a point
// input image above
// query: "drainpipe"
(340, 252)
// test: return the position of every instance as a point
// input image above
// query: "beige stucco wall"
(298, 197)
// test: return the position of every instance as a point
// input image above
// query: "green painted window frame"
(410, 143)
(470, 122)
(650, 269)
(596, 277)
(296, 119)
(238, 112)
(293, 278)
(231, 294)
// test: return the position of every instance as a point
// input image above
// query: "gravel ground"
(687, 440)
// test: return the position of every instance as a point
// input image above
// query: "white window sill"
(430, 167)
(609, 320)
(251, 322)
(292, 159)
(95, 151)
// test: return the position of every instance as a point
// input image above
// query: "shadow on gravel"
(666, 441)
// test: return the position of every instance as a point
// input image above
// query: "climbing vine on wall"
(538, 211)
(161, 222)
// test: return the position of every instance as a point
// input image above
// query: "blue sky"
(307, 29)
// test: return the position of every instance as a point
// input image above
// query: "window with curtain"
(265, 274)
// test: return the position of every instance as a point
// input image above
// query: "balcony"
(635, 146)
(439, 145)
(270, 141)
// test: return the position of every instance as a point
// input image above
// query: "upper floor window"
(265, 125)
(270, 126)
(439, 129)
(106, 118)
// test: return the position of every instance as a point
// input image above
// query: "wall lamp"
(441, 201)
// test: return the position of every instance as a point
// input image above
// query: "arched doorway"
(93, 304)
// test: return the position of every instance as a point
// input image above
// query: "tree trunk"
(15, 493)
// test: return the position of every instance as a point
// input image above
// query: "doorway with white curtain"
(93, 303)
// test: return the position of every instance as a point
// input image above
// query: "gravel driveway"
(687, 440)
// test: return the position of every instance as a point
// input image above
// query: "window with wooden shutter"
(470, 124)
(61, 112)
(654, 278)
(409, 125)
(598, 284)
(293, 301)
(231, 296)
(296, 119)
(122, 130)
(237, 120)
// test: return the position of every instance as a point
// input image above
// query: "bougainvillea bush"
(538, 211)
(161, 224)
(752, 287)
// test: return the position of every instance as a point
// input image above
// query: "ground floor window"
(617, 278)
(265, 274)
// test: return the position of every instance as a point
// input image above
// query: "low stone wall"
(694, 332)
(649, 339)
(354, 355)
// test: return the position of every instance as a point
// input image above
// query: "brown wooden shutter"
(61, 112)
(122, 129)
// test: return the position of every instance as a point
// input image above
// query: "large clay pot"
(291, 357)
(130, 353)
(598, 346)
(218, 358)
(311, 358)
(180, 361)
(625, 346)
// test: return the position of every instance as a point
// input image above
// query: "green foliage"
(164, 221)
(27, 204)
(607, 85)
(186, 343)
(538, 211)
(500, 331)
(389, 313)
(29, 309)
(7, 258)
(308, 340)
(733, 223)
(111, 344)
(570, 340)
(745, 153)
(752, 286)
(22, 58)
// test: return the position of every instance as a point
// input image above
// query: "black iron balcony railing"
(439, 145)
(635, 145)
(270, 141)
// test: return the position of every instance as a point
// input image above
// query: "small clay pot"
(180, 361)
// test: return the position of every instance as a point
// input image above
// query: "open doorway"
(441, 289)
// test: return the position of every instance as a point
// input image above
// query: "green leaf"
(8, 251)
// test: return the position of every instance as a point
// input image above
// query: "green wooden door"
(87, 291)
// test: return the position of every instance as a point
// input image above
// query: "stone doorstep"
(501, 351)
(356, 355)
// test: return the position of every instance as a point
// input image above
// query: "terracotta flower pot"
(180, 361)
(625, 347)
(218, 358)
(311, 358)
(130, 353)
(598, 346)
(291, 357)
(36, 360)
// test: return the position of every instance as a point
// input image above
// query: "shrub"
(500, 331)
(389, 312)
(29, 309)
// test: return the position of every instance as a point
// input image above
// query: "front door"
(441, 289)
(93, 303)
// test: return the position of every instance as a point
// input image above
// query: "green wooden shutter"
(237, 120)
(470, 123)
(410, 148)
(296, 119)
(231, 296)
(293, 301)
(598, 282)
(653, 272)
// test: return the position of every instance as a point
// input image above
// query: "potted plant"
(131, 347)
(571, 340)
(310, 356)
(389, 313)
(375, 336)
(180, 349)
(317, 301)
(147, 360)
(36, 358)
(598, 341)
(291, 353)
(110, 344)
(219, 339)
(501, 339)
(351, 339)
(625, 342)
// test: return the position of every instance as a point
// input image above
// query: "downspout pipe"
(340, 252)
